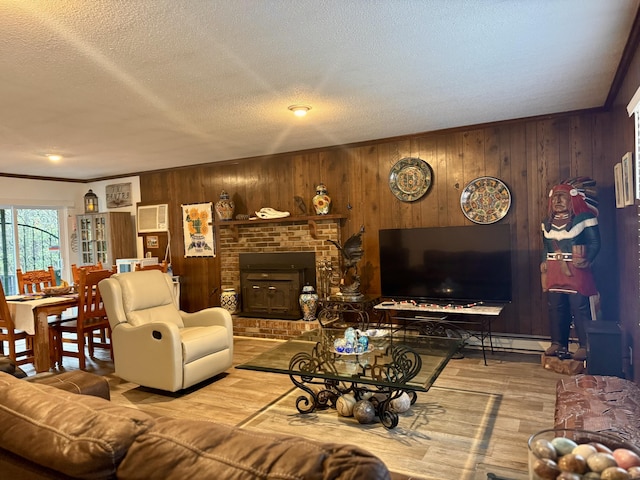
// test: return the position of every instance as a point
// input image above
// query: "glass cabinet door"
(101, 239)
(87, 254)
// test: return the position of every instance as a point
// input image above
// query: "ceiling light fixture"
(54, 157)
(299, 110)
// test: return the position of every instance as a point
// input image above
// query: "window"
(30, 240)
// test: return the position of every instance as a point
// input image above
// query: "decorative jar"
(308, 303)
(225, 207)
(322, 201)
(229, 300)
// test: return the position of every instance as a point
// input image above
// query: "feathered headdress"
(583, 194)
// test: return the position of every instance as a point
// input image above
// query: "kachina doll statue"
(571, 240)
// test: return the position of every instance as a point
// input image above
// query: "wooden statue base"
(568, 367)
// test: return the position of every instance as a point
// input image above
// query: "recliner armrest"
(166, 333)
(208, 317)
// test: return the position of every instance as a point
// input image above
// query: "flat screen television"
(447, 264)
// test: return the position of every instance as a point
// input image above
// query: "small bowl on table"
(561, 453)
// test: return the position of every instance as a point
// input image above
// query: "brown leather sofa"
(599, 403)
(49, 433)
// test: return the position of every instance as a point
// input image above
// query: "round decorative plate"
(485, 200)
(410, 178)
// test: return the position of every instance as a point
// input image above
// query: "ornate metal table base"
(444, 328)
(481, 316)
(441, 328)
(387, 379)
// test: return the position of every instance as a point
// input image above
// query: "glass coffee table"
(392, 364)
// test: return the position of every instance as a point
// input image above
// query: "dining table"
(31, 312)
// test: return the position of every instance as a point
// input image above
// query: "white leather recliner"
(155, 344)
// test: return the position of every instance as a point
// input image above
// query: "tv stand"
(477, 314)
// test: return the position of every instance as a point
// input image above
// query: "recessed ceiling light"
(299, 110)
(54, 157)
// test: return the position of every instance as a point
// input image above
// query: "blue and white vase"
(229, 300)
(308, 303)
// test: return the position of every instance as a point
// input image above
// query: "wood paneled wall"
(529, 155)
(627, 225)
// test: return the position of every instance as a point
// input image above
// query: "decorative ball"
(542, 448)
(600, 461)
(364, 412)
(345, 404)
(626, 458)
(366, 395)
(573, 463)
(401, 404)
(563, 445)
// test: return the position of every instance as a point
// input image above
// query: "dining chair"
(162, 266)
(91, 319)
(75, 273)
(33, 281)
(75, 270)
(8, 333)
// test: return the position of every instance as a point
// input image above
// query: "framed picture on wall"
(617, 177)
(627, 178)
(152, 241)
(118, 195)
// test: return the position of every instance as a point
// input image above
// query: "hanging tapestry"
(198, 230)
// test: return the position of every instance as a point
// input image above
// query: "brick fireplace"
(288, 235)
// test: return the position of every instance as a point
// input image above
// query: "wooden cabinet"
(103, 237)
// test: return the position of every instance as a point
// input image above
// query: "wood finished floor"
(526, 391)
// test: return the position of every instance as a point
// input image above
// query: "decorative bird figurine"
(352, 250)
(300, 204)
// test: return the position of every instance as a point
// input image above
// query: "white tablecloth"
(22, 311)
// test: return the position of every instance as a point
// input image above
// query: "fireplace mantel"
(309, 219)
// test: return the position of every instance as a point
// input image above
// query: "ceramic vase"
(225, 207)
(322, 201)
(198, 241)
(229, 300)
(308, 303)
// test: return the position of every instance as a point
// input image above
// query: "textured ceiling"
(120, 87)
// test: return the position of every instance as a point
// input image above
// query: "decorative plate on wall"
(485, 200)
(410, 178)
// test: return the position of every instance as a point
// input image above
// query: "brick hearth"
(271, 328)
